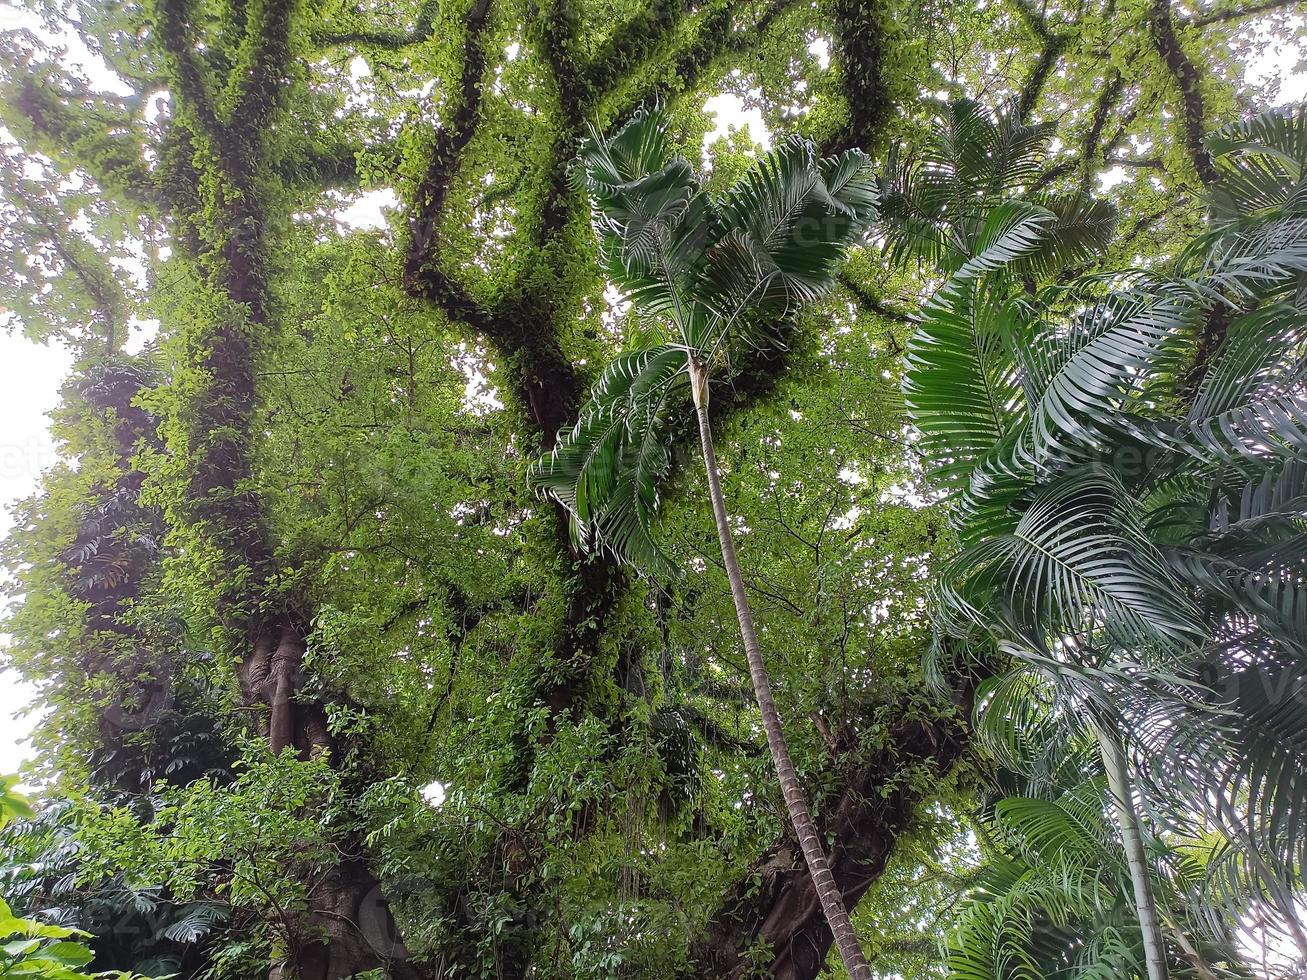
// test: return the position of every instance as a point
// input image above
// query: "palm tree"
(707, 276)
(1053, 899)
(1126, 461)
(1055, 896)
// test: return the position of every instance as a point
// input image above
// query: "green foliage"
(707, 277)
(134, 924)
(31, 948)
(332, 424)
(1110, 447)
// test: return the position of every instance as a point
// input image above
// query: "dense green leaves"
(352, 247)
(710, 278)
(1123, 456)
(38, 949)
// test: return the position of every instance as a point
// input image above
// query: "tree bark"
(814, 852)
(1195, 958)
(773, 901)
(1191, 110)
(349, 931)
(1118, 781)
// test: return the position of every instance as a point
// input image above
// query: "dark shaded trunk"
(350, 930)
(1192, 112)
(859, 48)
(774, 902)
(272, 676)
(348, 927)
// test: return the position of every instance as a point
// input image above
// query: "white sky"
(30, 375)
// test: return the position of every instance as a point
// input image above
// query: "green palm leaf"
(961, 391)
(1127, 460)
(790, 220)
(1081, 227)
(1010, 231)
(605, 470)
(1077, 561)
(1277, 134)
(706, 275)
(1095, 367)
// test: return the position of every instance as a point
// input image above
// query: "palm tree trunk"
(828, 892)
(1118, 781)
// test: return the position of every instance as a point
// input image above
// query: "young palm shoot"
(710, 277)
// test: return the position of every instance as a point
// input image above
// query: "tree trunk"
(1191, 110)
(1195, 958)
(773, 900)
(349, 931)
(1118, 781)
(814, 853)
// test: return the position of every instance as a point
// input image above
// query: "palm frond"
(1082, 226)
(1125, 458)
(605, 470)
(960, 390)
(1010, 231)
(1094, 368)
(1276, 500)
(938, 207)
(788, 223)
(1262, 194)
(653, 222)
(1252, 402)
(1077, 561)
(709, 275)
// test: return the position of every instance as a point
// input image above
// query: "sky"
(31, 374)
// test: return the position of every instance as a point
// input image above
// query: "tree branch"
(255, 84)
(717, 37)
(1033, 87)
(859, 49)
(1237, 13)
(559, 43)
(1107, 98)
(1192, 110)
(1147, 163)
(630, 45)
(1034, 20)
(80, 128)
(1052, 174)
(869, 302)
(379, 37)
(422, 273)
(189, 77)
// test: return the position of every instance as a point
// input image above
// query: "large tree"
(292, 572)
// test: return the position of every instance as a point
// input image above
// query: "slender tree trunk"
(832, 903)
(1118, 781)
(1195, 958)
